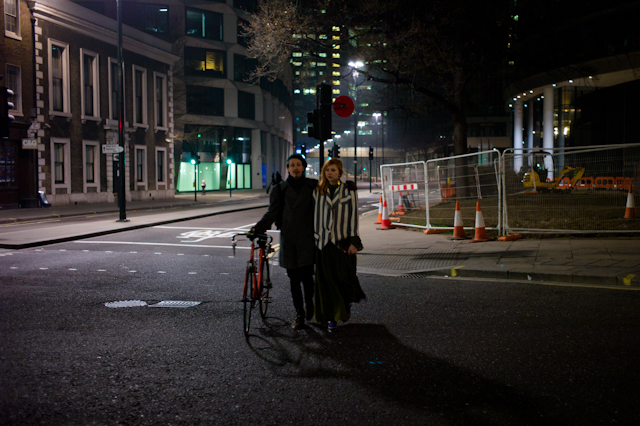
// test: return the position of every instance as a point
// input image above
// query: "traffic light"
(326, 104)
(336, 151)
(195, 158)
(5, 106)
(313, 131)
(370, 153)
(303, 149)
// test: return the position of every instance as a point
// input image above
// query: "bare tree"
(433, 48)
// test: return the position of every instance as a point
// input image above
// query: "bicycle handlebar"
(260, 237)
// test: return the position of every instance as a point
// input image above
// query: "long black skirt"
(336, 285)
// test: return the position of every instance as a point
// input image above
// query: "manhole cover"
(125, 304)
(175, 304)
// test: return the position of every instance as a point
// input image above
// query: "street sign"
(29, 143)
(111, 149)
(343, 106)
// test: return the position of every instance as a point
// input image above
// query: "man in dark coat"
(291, 209)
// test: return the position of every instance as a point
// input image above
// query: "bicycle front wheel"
(247, 297)
(265, 286)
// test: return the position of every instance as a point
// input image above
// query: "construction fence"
(561, 190)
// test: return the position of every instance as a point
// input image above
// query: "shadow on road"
(371, 356)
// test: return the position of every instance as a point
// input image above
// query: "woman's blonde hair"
(324, 183)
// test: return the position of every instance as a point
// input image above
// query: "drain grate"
(125, 304)
(175, 304)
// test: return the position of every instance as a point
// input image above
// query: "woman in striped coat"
(336, 233)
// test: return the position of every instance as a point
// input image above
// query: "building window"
(246, 105)
(160, 165)
(14, 82)
(114, 104)
(90, 84)
(59, 77)
(160, 90)
(156, 19)
(60, 166)
(91, 160)
(140, 165)
(204, 24)
(89, 163)
(139, 96)
(242, 67)
(205, 100)
(205, 63)
(11, 18)
(150, 18)
(242, 39)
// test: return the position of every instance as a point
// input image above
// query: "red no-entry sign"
(343, 106)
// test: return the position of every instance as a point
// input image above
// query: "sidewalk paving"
(398, 252)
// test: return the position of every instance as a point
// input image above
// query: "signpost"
(112, 149)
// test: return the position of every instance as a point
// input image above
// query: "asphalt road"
(419, 351)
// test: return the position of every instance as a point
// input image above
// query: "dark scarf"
(294, 183)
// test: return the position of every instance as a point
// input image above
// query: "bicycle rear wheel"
(247, 297)
(265, 286)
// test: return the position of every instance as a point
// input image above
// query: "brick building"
(74, 111)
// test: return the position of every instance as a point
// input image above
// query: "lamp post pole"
(121, 163)
(355, 128)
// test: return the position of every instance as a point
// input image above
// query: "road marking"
(238, 228)
(72, 269)
(549, 283)
(161, 272)
(157, 244)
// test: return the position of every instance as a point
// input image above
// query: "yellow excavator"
(566, 179)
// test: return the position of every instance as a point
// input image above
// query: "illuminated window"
(322, 54)
(336, 82)
(336, 47)
(336, 73)
(297, 54)
(211, 63)
(297, 63)
(336, 65)
(335, 37)
(322, 64)
(335, 28)
(323, 37)
(335, 55)
(297, 91)
(336, 91)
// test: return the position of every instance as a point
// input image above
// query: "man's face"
(295, 168)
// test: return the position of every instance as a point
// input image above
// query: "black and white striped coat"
(336, 218)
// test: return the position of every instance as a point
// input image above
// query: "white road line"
(156, 244)
(239, 228)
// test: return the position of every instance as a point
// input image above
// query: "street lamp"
(354, 66)
(377, 115)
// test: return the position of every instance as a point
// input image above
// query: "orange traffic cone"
(481, 233)
(458, 229)
(386, 223)
(379, 221)
(400, 204)
(630, 212)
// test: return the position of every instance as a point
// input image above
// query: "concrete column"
(560, 127)
(547, 129)
(517, 135)
(530, 127)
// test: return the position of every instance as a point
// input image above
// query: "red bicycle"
(257, 279)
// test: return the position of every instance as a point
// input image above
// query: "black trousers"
(304, 276)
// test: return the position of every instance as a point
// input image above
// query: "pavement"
(611, 261)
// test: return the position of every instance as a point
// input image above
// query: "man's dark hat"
(298, 157)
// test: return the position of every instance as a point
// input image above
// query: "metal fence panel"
(468, 179)
(570, 190)
(403, 188)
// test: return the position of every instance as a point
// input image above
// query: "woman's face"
(332, 174)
